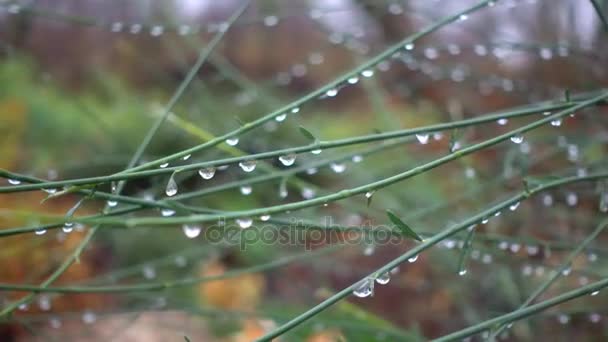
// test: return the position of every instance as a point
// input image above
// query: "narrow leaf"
(403, 227)
(466, 248)
(307, 134)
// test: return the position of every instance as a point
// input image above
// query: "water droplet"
(288, 159)
(164, 165)
(166, 212)
(186, 157)
(116, 27)
(365, 288)
(89, 317)
(595, 293)
(44, 302)
(55, 322)
(265, 218)
(532, 250)
(331, 92)
(566, 271)
(517, 139)
(248, 165)
(353, 80)
(595, 317)
(485, 220)
(318, 151)
(246, 190)
(50, 191)
(409, 46)
(180, 261)
(67, 227)
(135, 28)
(369, 249)
(547, 200)
(571, 199)
(563, 319)
(207, 173)
(383, 278)
(463, 17)
(469, 173)
(515, 247)
(462, 272)
(23, 306)
(514, 206)
(184, 30)
(369, 194)
(191, 231)
(423, 138)
(14, 181)
(244, 222)
(271, 20)
(592, 257)
(156, 30)
(502, 121)
(295, 110)
(149, 272)
(357, 158)
(232, 141)
(367, 73)
(556, 122)
(413, 259)
(337, 167)
(280, 117)
(308, 193)
(112, 203)
(171, 189)
(312, 171)
(40, 231)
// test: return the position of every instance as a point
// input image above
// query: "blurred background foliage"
(82, 81)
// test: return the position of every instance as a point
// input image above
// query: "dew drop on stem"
(280, 117)
(246, 190)
(207, 173)
(244, 222)
(171, 189)
(365, 288)
(413, 259)
(517, 139)
(423, 138)
(337, 167)
(288, 159)
(14, 181)
(248, 165)
(383, 278)
(166, 212)
(191, 231)
(232, 141)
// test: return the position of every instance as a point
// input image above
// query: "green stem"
(426, 244)
(74, 256)
(558, 272)
(320, 91)
(171, 284)
(323, 145)
(353, 191)
(526, 312)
